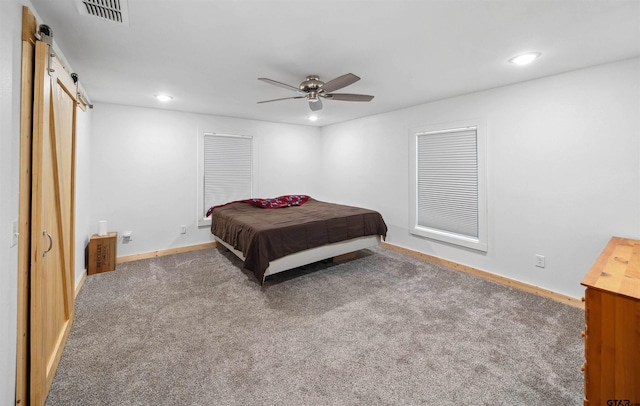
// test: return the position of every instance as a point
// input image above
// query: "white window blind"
(227, 169)
(448, 201)
(447, 181)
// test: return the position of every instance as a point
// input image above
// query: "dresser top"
(617, 269)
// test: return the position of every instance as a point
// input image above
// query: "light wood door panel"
(52, 273)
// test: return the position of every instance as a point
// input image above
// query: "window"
(448, 188)
(225, 171)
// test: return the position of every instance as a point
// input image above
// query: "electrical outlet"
(127, 236)
(540, 261)
(183, 229)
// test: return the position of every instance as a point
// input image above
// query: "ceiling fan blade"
(349, 97)
(279, 84)
(315, 105)
(340, 82)
(284, 98)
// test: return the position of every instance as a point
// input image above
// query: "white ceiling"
(208, 54)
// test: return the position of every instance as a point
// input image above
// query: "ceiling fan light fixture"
(313, 96)
(524, 59)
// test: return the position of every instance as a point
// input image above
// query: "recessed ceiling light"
(524, 59)
(313, 117)
(163, 97)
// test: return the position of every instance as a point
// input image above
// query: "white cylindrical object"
(102, 227)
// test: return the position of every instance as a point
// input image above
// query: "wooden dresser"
(612, 331)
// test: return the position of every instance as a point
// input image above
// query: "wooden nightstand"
(102, 253)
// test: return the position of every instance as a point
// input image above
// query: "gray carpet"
(385, 328)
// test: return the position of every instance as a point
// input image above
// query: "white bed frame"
(311, 255)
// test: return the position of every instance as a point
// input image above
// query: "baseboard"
(79, 285)
(170, 251)
(536, 290)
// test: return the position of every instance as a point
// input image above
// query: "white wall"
(144, 170)
(83, 189)
(10, 62)
(563, 171)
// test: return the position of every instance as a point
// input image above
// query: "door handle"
(44, 253)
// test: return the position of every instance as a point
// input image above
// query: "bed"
(271, 240)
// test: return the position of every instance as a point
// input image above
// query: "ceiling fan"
(314, 90)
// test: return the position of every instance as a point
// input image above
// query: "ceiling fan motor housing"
(311, 84)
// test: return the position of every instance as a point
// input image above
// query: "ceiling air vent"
(110, 10)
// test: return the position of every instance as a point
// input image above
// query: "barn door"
(52, 219)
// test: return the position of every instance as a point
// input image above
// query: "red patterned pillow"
(275, 203)
(278, 202)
